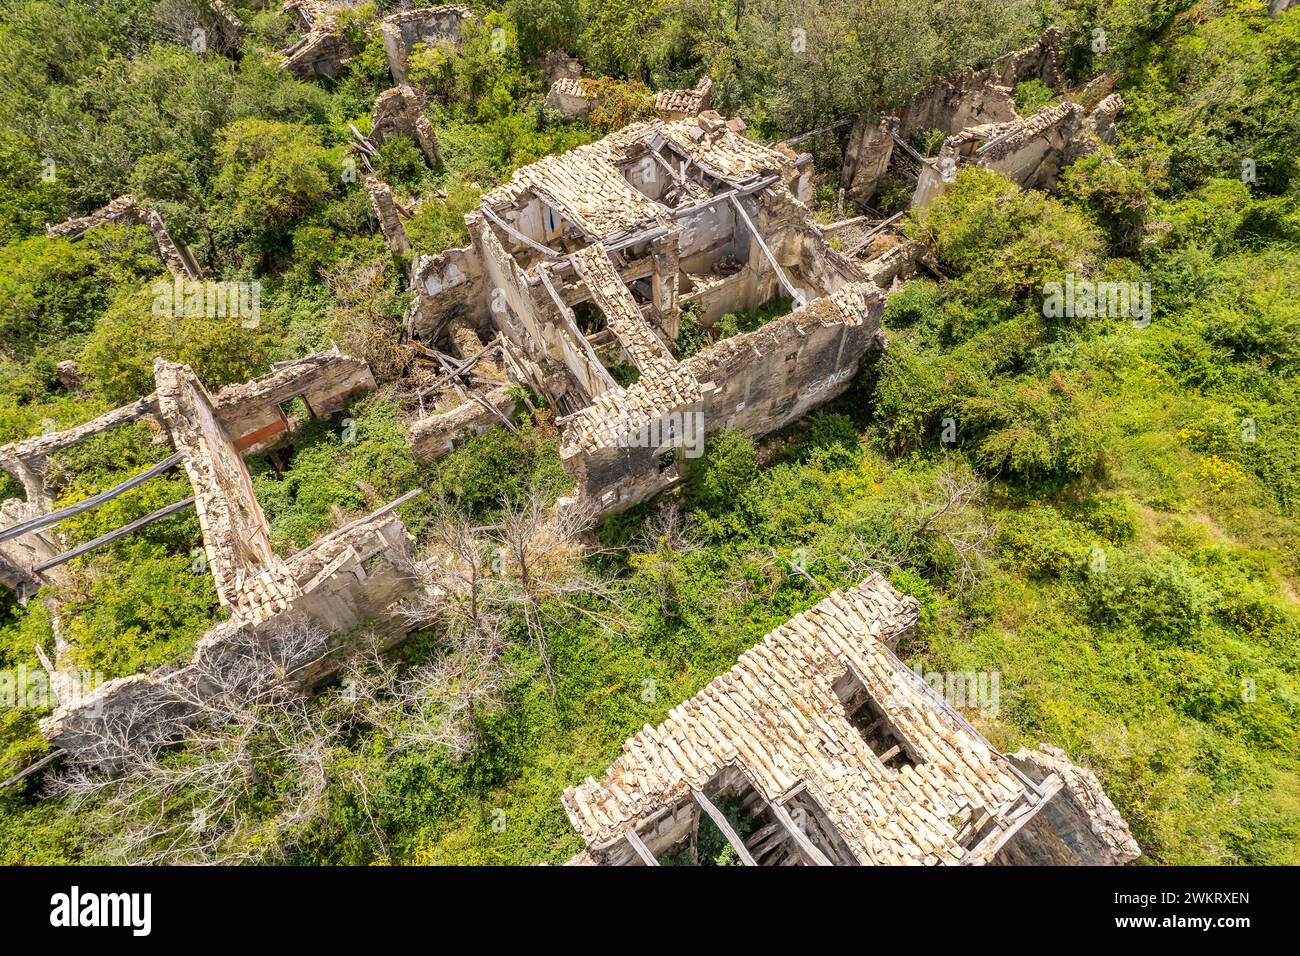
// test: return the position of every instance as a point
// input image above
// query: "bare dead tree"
(955, 514)
(252, 739)
(951, 511)
(438, 703)
(664, 538)
(545, 566)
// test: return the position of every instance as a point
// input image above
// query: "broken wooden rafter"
(54, 517)
(800, 300)
(111, 536)
(870, 233)
(516, 234)
(722, 824)
(636, 843)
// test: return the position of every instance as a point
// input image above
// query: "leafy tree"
(51, 291)
(730, 463)
(271, 173)
(1005, 242)
(546, 25)
(118, 355)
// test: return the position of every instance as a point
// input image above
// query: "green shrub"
(729, 465)
(1004, 241)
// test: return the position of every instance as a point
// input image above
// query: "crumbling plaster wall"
(448, 286)
(763, 380)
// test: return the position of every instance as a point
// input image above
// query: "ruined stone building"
(580, 277)
(582, 266)
(428, 25)
(349, 577)
(575, 96)
(975, 111)
(837, 755)
(322, 50)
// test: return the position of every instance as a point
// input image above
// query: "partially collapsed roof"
(779, 718)
(587, 187)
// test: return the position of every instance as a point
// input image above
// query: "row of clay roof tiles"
(775, 716)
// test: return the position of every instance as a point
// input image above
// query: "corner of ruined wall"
(1078, 826)
(236, 536)
(447, 285)
(439, 433)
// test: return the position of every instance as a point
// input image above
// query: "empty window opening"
(589, 317)
(872, 723)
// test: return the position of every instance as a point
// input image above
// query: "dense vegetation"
(1136, 488)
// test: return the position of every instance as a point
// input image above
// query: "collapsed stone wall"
(390, 214)
(1030, 152)
(761, 381)
(436, 434)
(322, 50)
(399, 111)
(20, 557)
(756, 382)
(402, 31)
(448, 286)
(252, 413)
(354, 577)
(965, 100)
(126, 210)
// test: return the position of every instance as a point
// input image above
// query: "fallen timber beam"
(516, 234)
(815, 132)
(907, 148)
(28, 771)
(721, 823)
(54, 517)
(799, 300)
(49, 444)
(867, 236)
(111, 536)
(814, 856)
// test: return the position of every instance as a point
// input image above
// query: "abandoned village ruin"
(574, 286)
